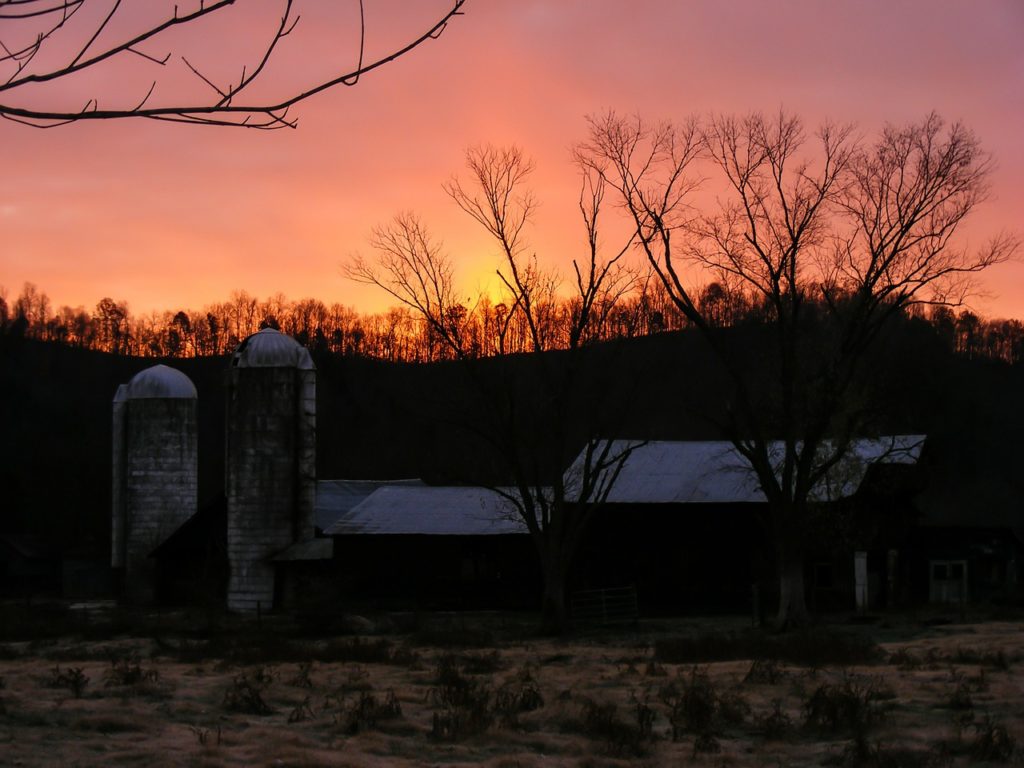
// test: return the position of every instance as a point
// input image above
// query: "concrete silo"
(155, 472)
(270, 466)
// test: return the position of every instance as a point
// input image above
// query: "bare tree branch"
(412, 268)
(44, 26)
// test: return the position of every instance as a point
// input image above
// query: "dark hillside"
(975, 460)
(55, 451)
(379, 419)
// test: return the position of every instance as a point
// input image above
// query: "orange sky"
(168, 217)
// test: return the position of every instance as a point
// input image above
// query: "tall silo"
(270, 466)
(155, 461)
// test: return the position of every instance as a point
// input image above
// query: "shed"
(431, 546)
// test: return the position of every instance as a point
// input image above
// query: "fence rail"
(616, 605)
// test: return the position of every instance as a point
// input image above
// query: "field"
(485, 690)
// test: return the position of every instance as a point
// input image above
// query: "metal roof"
(713, 472)
(269, 348)
(430, 510)
(157, 382)
(335, 498)
(710, 472)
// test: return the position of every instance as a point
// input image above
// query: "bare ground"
(950, 694)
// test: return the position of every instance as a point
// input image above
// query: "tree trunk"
(554, 614)
(792, 599)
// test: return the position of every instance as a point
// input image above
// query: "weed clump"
(245, 694)
(695, 706)
(517, 695)
(72, 678)
(601, 721)
(992, 742)
(764, 671)
(301, 712)
(851, 705)
(905, 660)
(862, 752)
(692, 703)
(776, 724)
(733, 709)
(961, 697)
(654, 669)
(367, 711)
(126, 671)
(302, 677)
(205, 736)
(357, 679)
(463, 702)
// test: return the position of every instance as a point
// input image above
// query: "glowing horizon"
(171, 217)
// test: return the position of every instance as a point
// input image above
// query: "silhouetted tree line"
(400, 334)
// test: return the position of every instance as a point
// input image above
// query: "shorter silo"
(155, 472)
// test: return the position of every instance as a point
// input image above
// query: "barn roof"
(657, 472)
(430, 510)
(713, 472)
(336, 498)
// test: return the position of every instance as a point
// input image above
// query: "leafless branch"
(412, 268)
(25, 98)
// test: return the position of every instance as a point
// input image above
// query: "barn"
(683, 524)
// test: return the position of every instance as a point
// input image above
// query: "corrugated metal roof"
(335, 498)
(430, 510)
(712, 472)
(709, 472)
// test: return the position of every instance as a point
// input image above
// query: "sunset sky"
(169, 217)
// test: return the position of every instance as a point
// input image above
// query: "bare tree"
(533, 443)
(412, 268)
(111, 320)
(833, 241)
(45, 45)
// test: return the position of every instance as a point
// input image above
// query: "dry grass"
(927, 696)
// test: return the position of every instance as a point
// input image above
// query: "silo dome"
(271, 349)
(158, 382)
